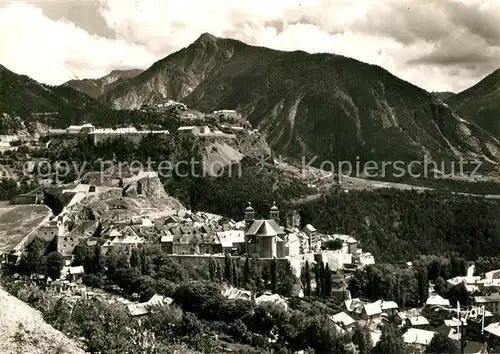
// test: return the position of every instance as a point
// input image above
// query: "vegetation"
(408, 286)
(9, 188)
(207, 318)
(399, 226)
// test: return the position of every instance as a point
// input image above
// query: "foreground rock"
(23, 330)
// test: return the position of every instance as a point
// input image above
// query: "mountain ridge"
(480, 103)
(323, 105)
(97, 87)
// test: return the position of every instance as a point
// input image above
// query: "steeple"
(249, 214)
(275, 212)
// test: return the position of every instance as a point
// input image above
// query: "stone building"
(264, 237)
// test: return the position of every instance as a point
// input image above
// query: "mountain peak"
(206, 37)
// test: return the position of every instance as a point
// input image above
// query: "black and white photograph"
(275, 177)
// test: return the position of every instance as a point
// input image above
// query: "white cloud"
(407, 38)
(55, 51)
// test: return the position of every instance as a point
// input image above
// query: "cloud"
(436, 45)
(55, 51)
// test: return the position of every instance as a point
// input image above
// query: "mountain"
(97, 87)
(481, 103)
(443, 95)
(24, 100)
(322, 105)
(24, 97)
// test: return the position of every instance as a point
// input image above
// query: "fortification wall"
(24, 199)
(134, 138)
(199, 260)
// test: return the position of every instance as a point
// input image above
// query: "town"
(200, 240)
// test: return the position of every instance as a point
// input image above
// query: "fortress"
(101, 135)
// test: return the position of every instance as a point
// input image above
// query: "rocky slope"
(481, 103)
(97, 87)
(20, 321)
(323, 105)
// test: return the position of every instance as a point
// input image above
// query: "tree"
(54, 265)
(228, 272)
(440, 285)
(333, 244)
(362, 339)
(246, 272)
(145, 263)
(327, 276)
(390, 342)
(211, 269)
(218, 272)
(307, 279)
(98, 262)
(274, 275)
(135, 259)
(317, 273)
(235, 273)
(423, 284)
(32, 261)
(441, 344)
(286, 280)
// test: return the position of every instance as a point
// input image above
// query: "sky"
(437, 45)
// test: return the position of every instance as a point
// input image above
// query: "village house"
(188, 131)
(154, 304)
(354, 305)
(418, 337)
(491, 302)
(313, 238)
(372, 312)
(343, 320)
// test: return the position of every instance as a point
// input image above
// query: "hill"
(96, 87)
(26, 103)
(22, 323)
(23, 96)
(481, 103)
(323, 105)
(443, 95)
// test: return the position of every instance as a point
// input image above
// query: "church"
(264, 238)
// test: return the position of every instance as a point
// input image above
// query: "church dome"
(274, 207)
(249, 207)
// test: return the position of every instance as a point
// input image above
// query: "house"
(144, 308)
(234, 293)
(418, 336)
(493, 274)
(72, 274)
(417, 321)
(189, 130)
(372, 311)
(342, 319)
(403, 316)
(272, 298)
(166, 242)
(292, 245)
(313, 238)
(231, 241)
(354, 305)
(437, 301)
(491, 302)
(204, 130)
(389, 307)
